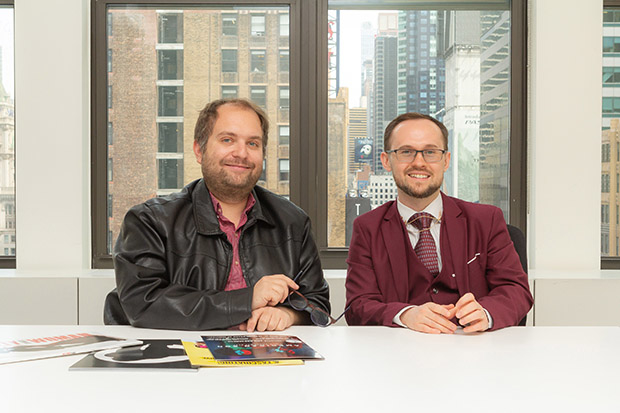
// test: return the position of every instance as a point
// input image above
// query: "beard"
(420, 193)
(226, 186)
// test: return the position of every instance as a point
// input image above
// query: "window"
(284, 169)
(283, 135)
(156, 51)
(284, 97)
(110, 205)
(170, 101)
(611, 105)
(230, 92)
(110, 133)
(229, 60)
(257, 27)
(170, 64)
(406, 81)
(258, 94)
(611, 44)
(170, 28)
(263, 175)
(170, 137)
(257, 64)
(605, 152)
(170, 173)
(605, 214)
(284, 25)
(283, 63)
(229, 24)
(605, 183)
(311, 156)
(611, 75)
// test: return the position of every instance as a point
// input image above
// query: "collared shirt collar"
(435, 208)
(244, 215)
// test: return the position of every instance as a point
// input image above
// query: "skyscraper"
(462, 105)
(495, 108)
(421, 68)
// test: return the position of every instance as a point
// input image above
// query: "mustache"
(413, 170)
(238, 163)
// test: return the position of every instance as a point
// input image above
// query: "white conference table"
(519, 369)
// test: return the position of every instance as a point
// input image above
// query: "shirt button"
(453, 275)
(435, 290)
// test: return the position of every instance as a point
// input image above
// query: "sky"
(6, 43)
(350, 50)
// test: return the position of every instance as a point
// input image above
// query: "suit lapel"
(394, 239)
(454, 229)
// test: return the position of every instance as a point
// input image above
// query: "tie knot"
(421, 220)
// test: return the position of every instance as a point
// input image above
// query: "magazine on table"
(259, 347)
(162, 354)
(200, 355)
(13, 351)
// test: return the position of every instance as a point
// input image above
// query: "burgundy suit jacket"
(481, 254)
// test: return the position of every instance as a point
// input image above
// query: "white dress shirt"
(435, 208)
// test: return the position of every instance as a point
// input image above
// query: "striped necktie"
(425, 249)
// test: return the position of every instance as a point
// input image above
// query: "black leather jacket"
(172, 260)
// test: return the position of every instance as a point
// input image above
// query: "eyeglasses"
(318, 316)
(408, 155)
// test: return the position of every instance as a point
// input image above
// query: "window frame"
(100, 258)
(308, 82)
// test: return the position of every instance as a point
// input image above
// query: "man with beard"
(223, 252)
(427, 261)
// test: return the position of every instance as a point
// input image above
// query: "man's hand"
(270, 319)
(470, 314)
(272, 290)
(430, 318)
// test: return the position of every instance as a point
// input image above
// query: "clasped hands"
(435, 318)
(270, 291)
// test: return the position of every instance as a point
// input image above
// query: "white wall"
(53, 132)
(565, 134)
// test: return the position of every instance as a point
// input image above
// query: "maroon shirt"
(235, 277)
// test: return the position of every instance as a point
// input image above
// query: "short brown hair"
(208, 116)
(412, 116)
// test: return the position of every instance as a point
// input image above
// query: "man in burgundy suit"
(427, 261)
